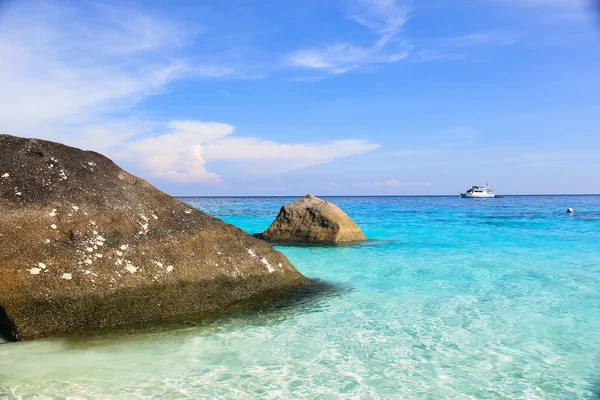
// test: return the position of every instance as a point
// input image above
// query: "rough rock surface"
(84, 245)
(312, 220)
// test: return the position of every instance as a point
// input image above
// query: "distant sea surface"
(450, 298)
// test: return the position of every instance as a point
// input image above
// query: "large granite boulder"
(312, 220)
(84, 245)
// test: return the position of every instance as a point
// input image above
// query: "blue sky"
(330, 97)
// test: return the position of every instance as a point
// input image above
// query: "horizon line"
(390, 195)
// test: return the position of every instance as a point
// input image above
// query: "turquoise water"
(450, 298)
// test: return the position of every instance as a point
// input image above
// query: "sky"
(331, 97)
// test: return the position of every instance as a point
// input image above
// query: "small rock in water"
(312, 220)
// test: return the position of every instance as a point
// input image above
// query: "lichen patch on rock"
(131, 268)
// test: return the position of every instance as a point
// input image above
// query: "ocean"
(449, 298)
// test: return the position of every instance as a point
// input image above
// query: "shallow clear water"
(450, 298)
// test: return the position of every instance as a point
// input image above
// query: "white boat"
(479, 192)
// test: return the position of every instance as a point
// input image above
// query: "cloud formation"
(178, 155)
(385, 18)
(391, 183)
(75, 74)
(557, 11)
(182, 154)
(77, 77)
(65, 70)
(484, 39)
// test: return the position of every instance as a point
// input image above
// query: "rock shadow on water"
(368, 242)
(6, 329)
(267, 309)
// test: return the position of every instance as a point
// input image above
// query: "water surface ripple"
(451, 298)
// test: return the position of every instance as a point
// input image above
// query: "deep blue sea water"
(450, 298)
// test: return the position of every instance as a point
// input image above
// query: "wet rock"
(84, 245)
(312, 220)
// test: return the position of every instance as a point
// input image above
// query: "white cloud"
(485, 39)
(459, 134)
(291, 156)
(74, 73)
(557, 11)
(316, 78)
(385, 18)
(548, 3)
(182, 154)
(57, 66)
(343, 57)
(429, 56)
(178, 155)
(564, 158)
(455, 48)
(392, 183)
